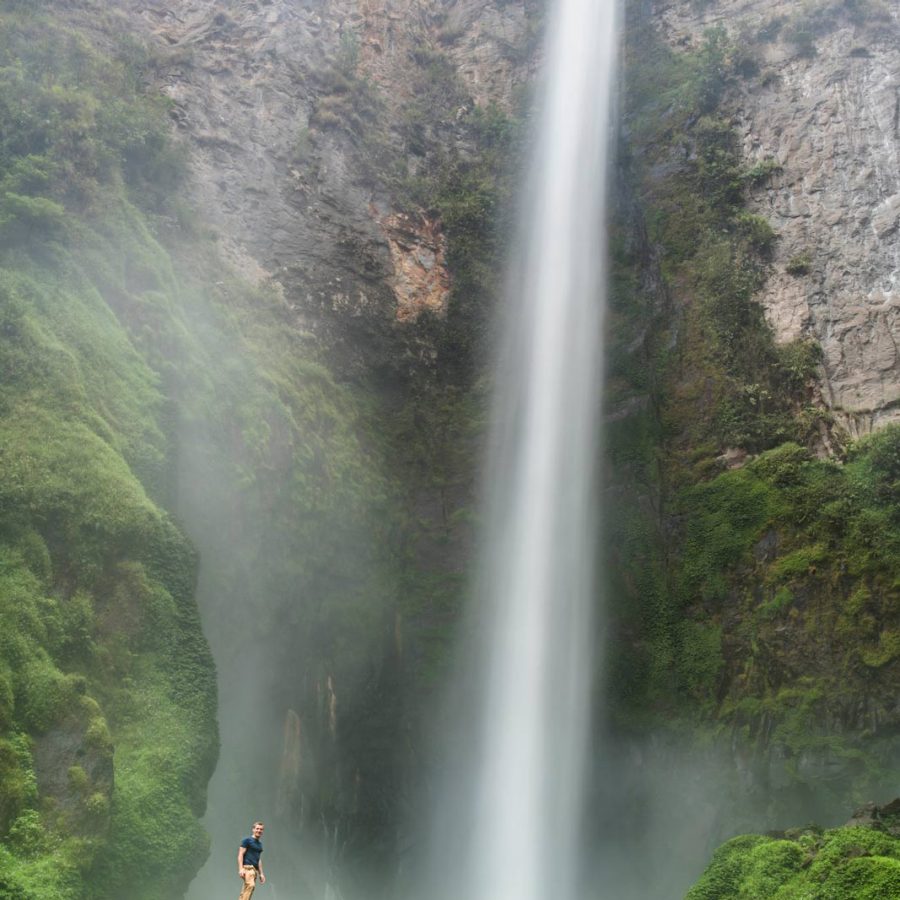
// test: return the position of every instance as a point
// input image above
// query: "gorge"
(251, 254)
(510, 815)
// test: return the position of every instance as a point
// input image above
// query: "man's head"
(257, 830)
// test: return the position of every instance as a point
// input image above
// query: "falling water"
(520, 832)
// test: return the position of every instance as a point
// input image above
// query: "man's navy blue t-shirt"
(252, 849)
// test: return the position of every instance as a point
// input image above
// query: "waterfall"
(517, 833)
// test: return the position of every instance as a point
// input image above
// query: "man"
(249, 862)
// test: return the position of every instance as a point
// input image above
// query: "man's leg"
(249, 876)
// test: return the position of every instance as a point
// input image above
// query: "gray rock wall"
(824, 105)
(291, 156)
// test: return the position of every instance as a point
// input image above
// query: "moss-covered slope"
(107, 731)
(859, 860)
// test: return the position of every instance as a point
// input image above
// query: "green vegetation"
(778, 609)
(96, 582)
(799, 265)
(75, 125)
(843, 862)
(762, 172)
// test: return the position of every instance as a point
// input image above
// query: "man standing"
(249, 862)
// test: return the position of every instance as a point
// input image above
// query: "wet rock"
(830, 120)
(732, 458)
(420, 280)
(881, 818)
(866, 816)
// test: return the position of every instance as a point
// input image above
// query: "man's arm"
(241, 851)
(262, 878)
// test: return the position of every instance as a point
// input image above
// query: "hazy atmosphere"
(462, 436)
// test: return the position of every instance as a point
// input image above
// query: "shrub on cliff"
(832, 865)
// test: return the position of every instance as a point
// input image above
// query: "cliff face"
(306, 124)
(330, 146)
(819, 106)
(754, 544)
(351, 162)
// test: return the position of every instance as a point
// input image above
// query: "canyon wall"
(819, 106)
(752, 391)
(307, 125)
(296, 260)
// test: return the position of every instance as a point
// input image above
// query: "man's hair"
(258, 823)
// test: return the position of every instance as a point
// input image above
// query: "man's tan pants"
(248, 873)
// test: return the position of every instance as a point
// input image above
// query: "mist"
(450, 408)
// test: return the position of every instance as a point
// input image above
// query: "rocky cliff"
(307, 125)
(753, 342)
(817, 107)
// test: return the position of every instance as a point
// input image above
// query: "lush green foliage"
(107, 691)
(74, 124)
(98, 583)
(806, 865)
(796, 557)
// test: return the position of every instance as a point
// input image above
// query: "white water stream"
(519, 834)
